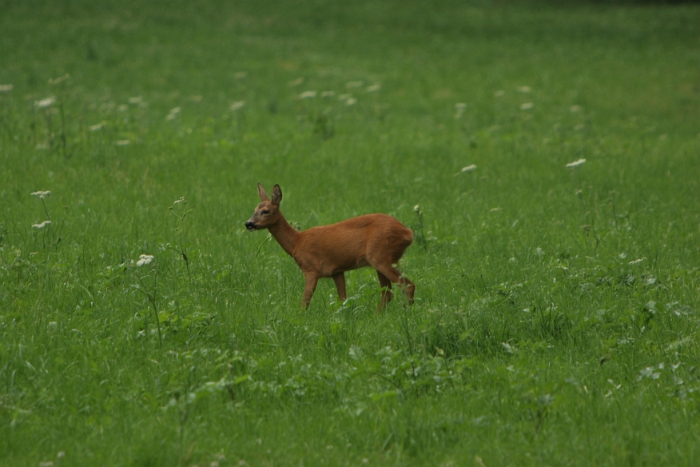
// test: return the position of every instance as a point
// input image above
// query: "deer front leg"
(311, 279)
(389, 274)
(385, 284)
(340, 285)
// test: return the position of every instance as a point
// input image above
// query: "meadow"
(546, 155)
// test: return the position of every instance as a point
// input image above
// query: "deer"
(328, 251)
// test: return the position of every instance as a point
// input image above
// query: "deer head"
(267, 213)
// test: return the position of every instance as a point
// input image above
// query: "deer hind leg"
(386, 290)
(394, 275)
(340, 285)
(311, 279)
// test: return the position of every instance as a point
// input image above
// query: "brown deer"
(376, 240)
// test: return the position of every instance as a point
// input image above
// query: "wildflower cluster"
(574, 164)
(144, 259)
(41, 225)
(41, 194)
(45, 103)
(173, 113)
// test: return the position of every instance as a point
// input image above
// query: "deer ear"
(261, 192)
(276, 195)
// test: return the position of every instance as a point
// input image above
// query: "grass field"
(557, 317)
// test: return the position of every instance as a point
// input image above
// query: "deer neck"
(285, 234)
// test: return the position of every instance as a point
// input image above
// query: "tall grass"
(556, 315)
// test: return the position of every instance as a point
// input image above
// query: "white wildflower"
(41, 225)
(354, 84)
(123, 142)
(144, 259)
(469, 168)
(44, 103)
(328, 94)
(181, 200)
(636, 261)
(237, 105)
(96, 127)
(351, 101)
(574, 164)
(6, 87)
(524, 89)
(416, 208)
(649, 372)
(41, 194)
(374, 87)
(307, 95)
(527, 106)
(58, 80)
(173, 113)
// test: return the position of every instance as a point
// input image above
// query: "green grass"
(556, 318)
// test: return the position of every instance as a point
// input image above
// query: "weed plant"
(545, 155)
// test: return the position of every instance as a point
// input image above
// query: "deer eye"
(265, 212)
